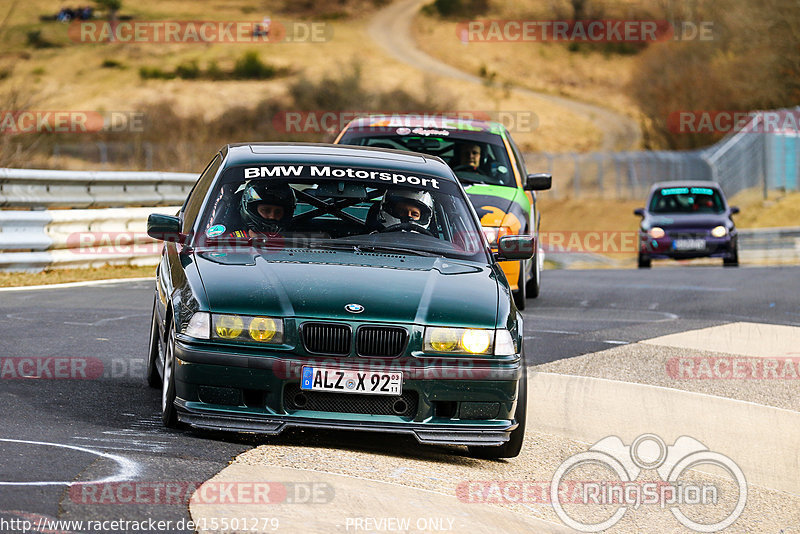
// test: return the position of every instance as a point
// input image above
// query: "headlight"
(264, 329)
(719, 231)
(494, 233)
(228, 326)
(468, 341)
(198, 326)
(656, 232)
(244, 328)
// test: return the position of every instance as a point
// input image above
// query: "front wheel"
(512, 447)
(154, 352)
(520, 295)
(169, 415)
(534, 284)
(644, 261)
(733, 260)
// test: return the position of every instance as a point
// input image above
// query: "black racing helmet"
(266, 193)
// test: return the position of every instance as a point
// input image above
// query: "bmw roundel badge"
(354, 308)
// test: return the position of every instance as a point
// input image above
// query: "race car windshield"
(687, 200)
(342, 209)
(473, 161)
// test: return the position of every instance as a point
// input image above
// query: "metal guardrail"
(35, 240)
(32, 188)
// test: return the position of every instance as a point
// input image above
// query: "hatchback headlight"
(470, 341)
(656, 232)
(719, 231)
(494, 233)
(257, 329)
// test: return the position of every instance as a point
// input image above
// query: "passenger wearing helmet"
(404, 209)
(267, 208)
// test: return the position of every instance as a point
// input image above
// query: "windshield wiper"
(401, 250)
(334, 246)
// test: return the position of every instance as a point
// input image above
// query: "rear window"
(687, 200)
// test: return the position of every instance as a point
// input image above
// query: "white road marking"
(613, 342)
(127, 469)
(109, 319)
(77, 284)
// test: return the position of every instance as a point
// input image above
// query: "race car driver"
(266, 209)
(469, 157)
(405, 209)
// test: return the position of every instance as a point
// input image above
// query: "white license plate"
(348, 381)
(689, 244)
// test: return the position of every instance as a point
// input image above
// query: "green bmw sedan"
(336, 287)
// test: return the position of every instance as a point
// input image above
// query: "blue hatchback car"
(687, 220)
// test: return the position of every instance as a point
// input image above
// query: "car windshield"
(474, 160)
(341, 208)
(687, 200)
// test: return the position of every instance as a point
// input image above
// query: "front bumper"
(665, 247)
(455, 406)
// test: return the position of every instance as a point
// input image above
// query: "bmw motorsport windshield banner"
(376, 176)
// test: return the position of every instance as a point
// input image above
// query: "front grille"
(381, 341)
(404, 405)
(327, 338)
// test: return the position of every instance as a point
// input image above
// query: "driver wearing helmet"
(404, 209)
(267, 208)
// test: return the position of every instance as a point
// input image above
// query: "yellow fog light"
(476, 341)
(443, 339)
(228, 326)
(264, 329)
(719, 231)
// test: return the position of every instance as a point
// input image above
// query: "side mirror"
(734, 210)
(164, 228)
(639, 212)
(515, 247)
(538, 181)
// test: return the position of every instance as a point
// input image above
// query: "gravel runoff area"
(499, 484)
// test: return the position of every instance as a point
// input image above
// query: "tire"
(644, 261)
(520, 295)
(733, 261)
(512, 447)
(535, 282)
(154, 352)
(169, 415)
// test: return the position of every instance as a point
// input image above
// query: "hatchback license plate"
(349, 381)
(689, 244)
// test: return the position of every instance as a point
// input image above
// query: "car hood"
(689, 220)
(319, 283)
(498, 205)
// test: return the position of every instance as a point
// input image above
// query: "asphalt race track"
(61, 427)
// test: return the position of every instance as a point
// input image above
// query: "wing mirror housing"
(538, 181)
(515, 247)
(165, 228)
